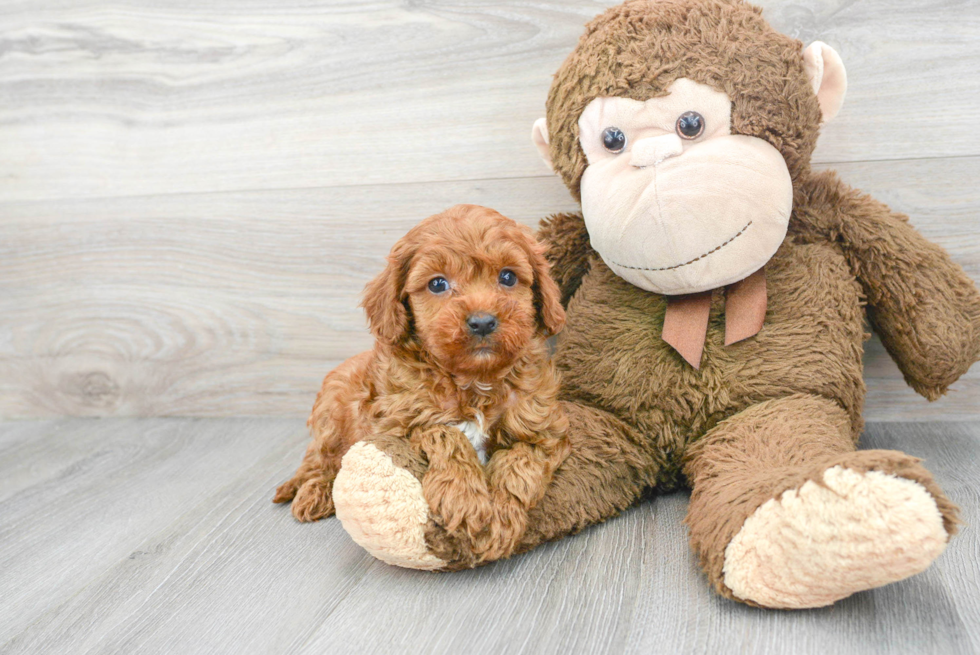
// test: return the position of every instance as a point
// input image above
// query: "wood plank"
(15, 433)
(232, 572)
(37, 451)
(151, 98)
(75, 522)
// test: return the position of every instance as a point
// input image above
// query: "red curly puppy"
(460, 369)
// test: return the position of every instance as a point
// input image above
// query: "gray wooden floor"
(158, 536)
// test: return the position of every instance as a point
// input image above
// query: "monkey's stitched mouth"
(699, 257)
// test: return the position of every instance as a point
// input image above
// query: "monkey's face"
(673, 201)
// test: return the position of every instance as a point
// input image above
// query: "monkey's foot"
(831, 537)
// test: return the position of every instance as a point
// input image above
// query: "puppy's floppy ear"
(384, 297)
(547, 296)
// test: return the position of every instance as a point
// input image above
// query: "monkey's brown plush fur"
(427, 374)
(768, 424)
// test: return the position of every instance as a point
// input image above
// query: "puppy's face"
(472, 302)
(476, 288)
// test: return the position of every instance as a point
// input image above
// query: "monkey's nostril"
(481, 324)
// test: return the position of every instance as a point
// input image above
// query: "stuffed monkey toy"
(717, 290)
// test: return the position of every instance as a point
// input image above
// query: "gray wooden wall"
(192, 194)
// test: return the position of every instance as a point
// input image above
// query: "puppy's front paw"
(505, 531)
(458, 504)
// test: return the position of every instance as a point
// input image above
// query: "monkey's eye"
(507, 277)
(613, 139)
(690, 125)
(438, 285)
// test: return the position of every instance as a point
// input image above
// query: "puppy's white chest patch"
(476, 433)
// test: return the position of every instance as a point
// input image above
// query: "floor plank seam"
(820, 164)
(314, 631)
(219, 528)
(195, 552)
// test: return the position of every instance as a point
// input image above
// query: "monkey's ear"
(828, 77)
(539, 136)
(383, 299)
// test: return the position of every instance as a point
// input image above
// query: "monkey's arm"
(568, 251)
(923, 306)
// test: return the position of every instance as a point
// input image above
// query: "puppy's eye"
(507, 277)
(690, 125)
(613, 139)
(438, 285)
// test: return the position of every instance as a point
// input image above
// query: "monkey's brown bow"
(686, 319)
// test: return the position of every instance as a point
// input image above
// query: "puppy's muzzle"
(481, 324)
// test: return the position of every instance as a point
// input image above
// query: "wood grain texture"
(192, 197)
(238, 303)
(99, 490)
(158, 536)
(143, 98)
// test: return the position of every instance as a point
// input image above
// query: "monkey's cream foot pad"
(382, 508)
(820, 543)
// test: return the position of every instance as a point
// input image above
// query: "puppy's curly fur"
(432, 372)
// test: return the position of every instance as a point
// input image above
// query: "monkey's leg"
(785, 513)
(379, 498)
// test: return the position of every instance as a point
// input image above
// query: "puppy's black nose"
(481, 324)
